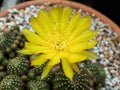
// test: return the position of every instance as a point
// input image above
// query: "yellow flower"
(59, 36)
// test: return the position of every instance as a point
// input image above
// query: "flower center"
(59, 46)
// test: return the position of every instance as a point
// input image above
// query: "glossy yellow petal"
(90, 54)
(35, 25)
(74, 58)
(56, 13)
(33, 38)
(37, 49)
(81, 46)
(67, 11)
(55, 60)
(73, 23)
(46, 70)
(45, 21)
(86, 36)
(67, 69)
(75, 67)
(39, 60)
(83, 26)
(42, 58)
(25, 51)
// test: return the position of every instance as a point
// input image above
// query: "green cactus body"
(18, 66)
(11, 41)
(2, 74)
(80, 81)
(2, 58)
(98, 73)
(11, 82)
(36, 71)
(38, 85)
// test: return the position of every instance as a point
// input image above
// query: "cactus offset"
(80, 81)
(38, 85)
(11, 82)
(98, 73)
(18, 66)
(11, 41)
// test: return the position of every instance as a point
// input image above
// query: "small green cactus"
(11, 82)
(80, 81)
(38, 85)
(36, 71)
(12, 41)
(2, 58)
(98, 73)
(18, 66)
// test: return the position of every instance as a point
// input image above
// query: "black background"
(110, 8)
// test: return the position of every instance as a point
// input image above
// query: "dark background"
(110, 8)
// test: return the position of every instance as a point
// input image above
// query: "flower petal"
(35, 25)
(42, 58)
(39, 60)
(32, 37)
(55, 60)
(45, 21)
(56, 13)
(67, 11)
(67, 69)
(86, 36)
(89, 54)
(75, 67)
(74, 58)
(46, 70)
(81, 46)
(84, 25)
(36, 49)
(73, 23)
(25, 51)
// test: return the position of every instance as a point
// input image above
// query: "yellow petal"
(89, 54)
(55, 60)
(44, 20)
(83, 26)
(74, 58)
(73, 22)
(42, 58)
(81, 46)
(39, 60)
(35, 25)
(33, 38)
(24, 51)
(36, 49)
(55, 14)
(67, 69)
(86, 36)
(75, 67)
(67, 11)
(46, 70)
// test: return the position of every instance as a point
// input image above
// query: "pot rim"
(75, 5)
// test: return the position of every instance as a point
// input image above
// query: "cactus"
(18, 66)
(97, 72)
(36, 71)
(11, 41)
(38, 85)
(11, 82)
(80, 81)
(2, 58)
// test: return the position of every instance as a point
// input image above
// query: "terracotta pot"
(69, 3)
